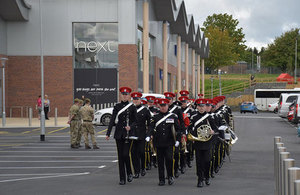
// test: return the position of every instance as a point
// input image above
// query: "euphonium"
(203, 134)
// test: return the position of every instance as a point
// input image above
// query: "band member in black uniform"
(186, 146)
(165, 129)
(202, 148)
(150, 147)
(124, 117)
(208, 109)
(173, 108)
(138, 147)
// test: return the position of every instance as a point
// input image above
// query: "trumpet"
(153, 151)
(184, 145)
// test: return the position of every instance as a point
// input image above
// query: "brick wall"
(23, 83)
(128, 70)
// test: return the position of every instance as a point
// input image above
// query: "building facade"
(93, 47)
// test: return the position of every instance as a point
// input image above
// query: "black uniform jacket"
(193, 129)
(143, 120)
(153, 110)
(178, 112)
(129, 113)
(162, 134)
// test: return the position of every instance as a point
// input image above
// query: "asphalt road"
(28, 166)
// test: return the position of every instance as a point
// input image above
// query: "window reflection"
(95, 45)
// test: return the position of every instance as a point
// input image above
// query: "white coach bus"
(264, 97)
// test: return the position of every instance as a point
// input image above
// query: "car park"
(248, 107)
(103, 116)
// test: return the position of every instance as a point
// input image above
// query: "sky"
(262, 20)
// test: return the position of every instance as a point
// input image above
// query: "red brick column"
(128, 70)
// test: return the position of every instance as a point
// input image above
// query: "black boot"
(207, 182)
(129, 178)
(87, 147)
(161, 183)
(137, 175)
(143, 173)
(200, 183)
(171, 180)
(122, 182)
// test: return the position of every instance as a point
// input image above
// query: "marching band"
(166, 134)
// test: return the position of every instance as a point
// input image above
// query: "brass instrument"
(153, 151)
(203, 134)
(184, 145)
(231, 122)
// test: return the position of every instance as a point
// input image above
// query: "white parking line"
(258, 117)
(101, 167)
(63, 167)
(52, 161)
(31, 174)
(45, 177)
(50, 147)
(57, 156)
(85, 151)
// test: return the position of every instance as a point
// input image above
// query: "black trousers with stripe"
(124, 158)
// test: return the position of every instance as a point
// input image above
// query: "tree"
(281, 53)
(221, 48)
(225, 22)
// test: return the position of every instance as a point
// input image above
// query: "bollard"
(282, 156)
(55, 117)
(30, 117)
(278, 175)
(293, 174)
(277, 139)
(287, 163)
(297, 187)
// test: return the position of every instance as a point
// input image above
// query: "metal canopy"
(14, 10)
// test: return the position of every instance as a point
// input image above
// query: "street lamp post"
(3, 60)
(42, 136)
(212, 86)
(220, 84)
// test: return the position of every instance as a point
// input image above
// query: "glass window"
(291, 99)
(95, 45)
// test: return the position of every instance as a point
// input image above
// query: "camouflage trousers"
(74, 127)
(88, 128)
(79, 134)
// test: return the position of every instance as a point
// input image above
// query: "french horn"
(203, 134)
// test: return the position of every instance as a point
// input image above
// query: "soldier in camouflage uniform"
(80, 127)
(87, 115)
(74, 121)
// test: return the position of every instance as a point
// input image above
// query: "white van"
(285, 100)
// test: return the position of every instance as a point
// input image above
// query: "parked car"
(273, 107)
(103, 116)
(248, 107)
(292, 112)
(285, 100)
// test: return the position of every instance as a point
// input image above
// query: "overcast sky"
(261, 20)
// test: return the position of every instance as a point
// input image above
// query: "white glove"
(147, 139)
(176, 144)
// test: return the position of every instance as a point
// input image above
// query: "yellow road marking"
(31, 131)
(102, 131)
(57, 130)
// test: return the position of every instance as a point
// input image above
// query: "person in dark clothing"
(124, 117)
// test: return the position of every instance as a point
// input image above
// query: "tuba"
(203, 134)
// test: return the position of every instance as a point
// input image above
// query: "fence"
(287, 176)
